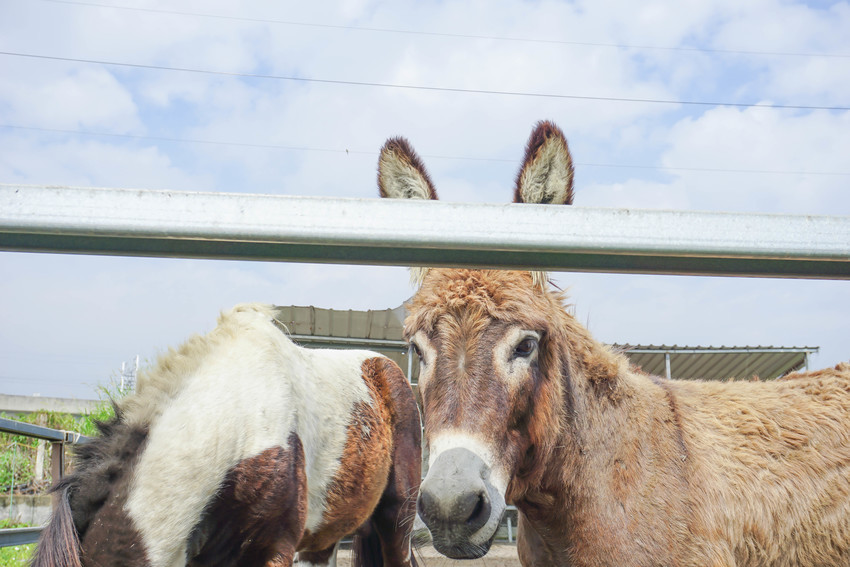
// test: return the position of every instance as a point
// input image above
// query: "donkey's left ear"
(546, 175)
(401, 174)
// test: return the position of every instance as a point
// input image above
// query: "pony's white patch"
(323, 429)
(240, 398)
(513, 370)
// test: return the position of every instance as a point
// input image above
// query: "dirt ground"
(500, 555)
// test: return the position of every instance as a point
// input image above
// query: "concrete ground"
(500, 555)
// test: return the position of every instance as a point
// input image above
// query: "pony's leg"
(325, 558)
(393, 518)
(282, 559)
(392, 522)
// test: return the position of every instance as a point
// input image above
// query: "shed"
(381, 330)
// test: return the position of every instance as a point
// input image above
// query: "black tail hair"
(366, 550)
(59, 544)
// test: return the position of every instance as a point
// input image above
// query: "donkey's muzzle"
(461, 508)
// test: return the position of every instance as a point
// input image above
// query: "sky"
(199, 102)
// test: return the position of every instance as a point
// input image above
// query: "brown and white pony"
(241, 449)
(608, 465)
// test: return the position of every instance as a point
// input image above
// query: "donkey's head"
(490, 386)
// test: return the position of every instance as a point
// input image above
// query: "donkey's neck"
(623, 442)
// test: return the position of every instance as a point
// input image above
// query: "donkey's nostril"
(426, 505)
(480, 510)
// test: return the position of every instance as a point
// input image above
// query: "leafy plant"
(18, 452)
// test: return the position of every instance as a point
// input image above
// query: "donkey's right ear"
(401, 174)
(546, 175)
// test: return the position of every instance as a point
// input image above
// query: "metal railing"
(420, 233)
(58, 439)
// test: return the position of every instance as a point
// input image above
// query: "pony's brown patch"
(364, 467)
(111, 538)
(259, 513)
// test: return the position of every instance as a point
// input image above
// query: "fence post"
(39, 453)
(57, 466)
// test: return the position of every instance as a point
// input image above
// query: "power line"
(420, 87)
(428, 156)
(188, 140)
(453, 35)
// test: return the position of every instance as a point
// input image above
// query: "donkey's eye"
(415, 348)
(525, 348)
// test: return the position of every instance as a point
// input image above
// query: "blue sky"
(67, 322)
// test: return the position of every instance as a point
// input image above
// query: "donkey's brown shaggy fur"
(609, 465)
(629, 469)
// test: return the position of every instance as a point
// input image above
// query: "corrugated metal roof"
(381, 330)
(382, 325)
(718, 363)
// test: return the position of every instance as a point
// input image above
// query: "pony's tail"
(59, 544)
(366, 549)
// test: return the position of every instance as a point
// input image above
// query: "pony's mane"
(162, 382)
(99, 465)
(103, 461)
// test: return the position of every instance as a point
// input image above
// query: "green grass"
(15, 555)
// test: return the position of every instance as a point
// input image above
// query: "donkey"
(607, 465)
(241, 449)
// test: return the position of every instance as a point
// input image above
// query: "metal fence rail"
(37, 431)
(58, 440)
(420, 233)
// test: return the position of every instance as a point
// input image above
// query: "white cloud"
(91, 163)
(76, 98)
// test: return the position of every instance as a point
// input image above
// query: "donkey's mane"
(163, 381)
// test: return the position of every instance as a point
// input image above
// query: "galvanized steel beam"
(37, 431)
(420, 233)
(19, 536)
